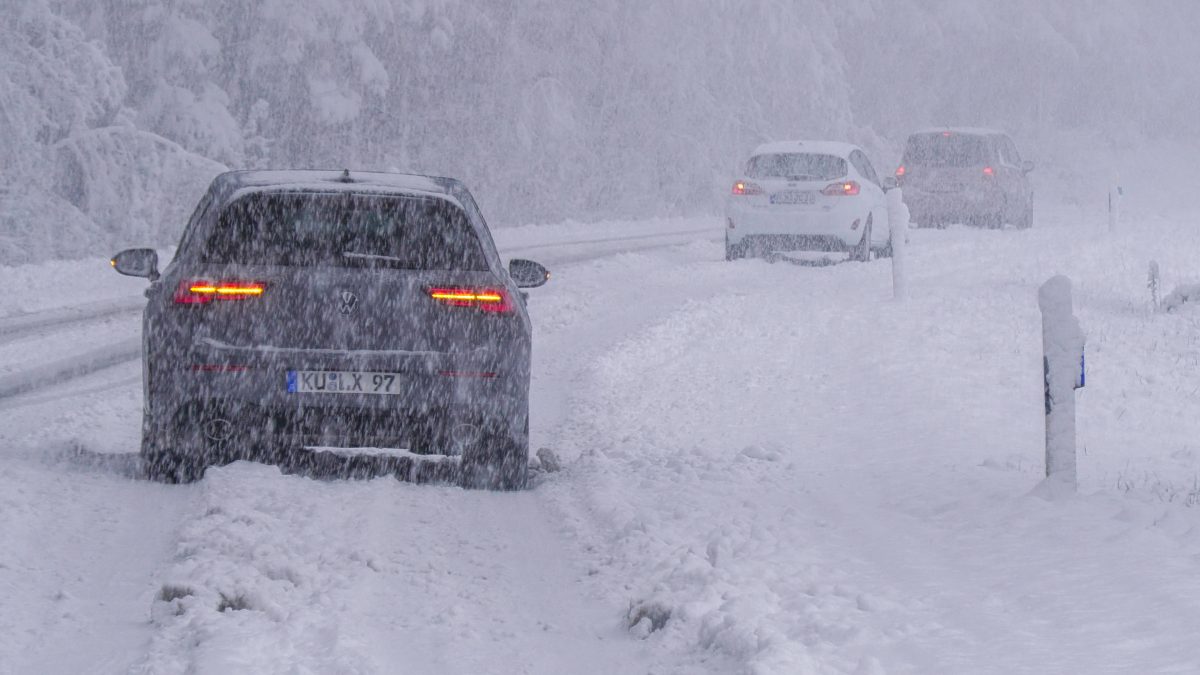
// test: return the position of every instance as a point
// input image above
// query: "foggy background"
(114, 114)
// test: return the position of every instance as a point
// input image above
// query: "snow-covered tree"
(53, 83)
(553, 110)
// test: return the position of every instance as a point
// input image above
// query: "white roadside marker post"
(1114, 206)
(1154, 283)
(1063, 368)
(898, 225)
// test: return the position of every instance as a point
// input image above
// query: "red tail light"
(900, 171)
(988, 171)
(846, 188)
(494, 300)
(204, 291)
(743, 188)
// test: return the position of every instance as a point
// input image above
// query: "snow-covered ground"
(769, 468)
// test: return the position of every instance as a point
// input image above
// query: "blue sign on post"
(1082, 379)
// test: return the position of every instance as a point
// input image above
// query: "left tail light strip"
(204, 291)
(494, 300)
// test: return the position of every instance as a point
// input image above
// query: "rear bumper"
(486, 389)
(821, 228)
(948, 206)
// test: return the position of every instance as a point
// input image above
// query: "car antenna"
(345, 177)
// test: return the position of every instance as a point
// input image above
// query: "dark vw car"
(961, 175)
(318, 308)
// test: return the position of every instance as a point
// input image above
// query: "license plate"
(341, 382)
(946, 187)
(793, 197)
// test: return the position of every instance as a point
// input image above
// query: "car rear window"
(344, 230)
(941, 149)
(796, 166)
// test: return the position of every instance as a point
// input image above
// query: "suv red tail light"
(988, 171)
(204, 291)
(745, 188)
(846, 188)
(494, 300)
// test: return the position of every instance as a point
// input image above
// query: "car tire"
(497, 461)
(171, 468)
(1026, 220)
(734, 251)
(162, 462)
(863, 251)
(182, 452)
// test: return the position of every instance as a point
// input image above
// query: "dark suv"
(972, 176)
(317, 308)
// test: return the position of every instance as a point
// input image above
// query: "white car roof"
(979, 131)
(818, 147)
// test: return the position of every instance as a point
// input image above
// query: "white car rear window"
(798, 166)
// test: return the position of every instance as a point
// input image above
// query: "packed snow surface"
(766, 468)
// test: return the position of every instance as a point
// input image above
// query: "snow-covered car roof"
(978, 131)
(240, 182)
(819, 147)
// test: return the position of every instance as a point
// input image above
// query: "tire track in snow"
(83, 545)
(277, 573)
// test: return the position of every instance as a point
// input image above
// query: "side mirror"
(137, 262)
(890, 183)
(1027, 166)
(527, 274)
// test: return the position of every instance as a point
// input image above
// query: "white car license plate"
(341, 382)
(793, 197)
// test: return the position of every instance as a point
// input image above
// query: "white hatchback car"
(808, 196)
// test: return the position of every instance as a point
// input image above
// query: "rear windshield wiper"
(371, 256)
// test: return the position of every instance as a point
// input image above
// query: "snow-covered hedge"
(136, 186)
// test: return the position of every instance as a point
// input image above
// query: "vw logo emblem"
(348, 302)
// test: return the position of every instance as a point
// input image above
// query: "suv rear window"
(344, 230)
(947, 150)
(796, 166)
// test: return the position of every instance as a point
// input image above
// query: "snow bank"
(242, 596)
(775, 464)
(571, 232)
(58, 285)
(1181, 296)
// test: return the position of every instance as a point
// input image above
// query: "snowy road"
(797, 473)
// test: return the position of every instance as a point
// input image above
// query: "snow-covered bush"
(53, 83)
(36, 225)
(138, 187)
(75, 175)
